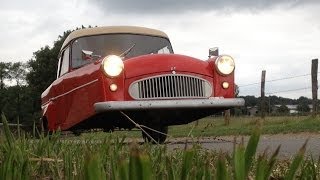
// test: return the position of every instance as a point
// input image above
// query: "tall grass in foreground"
(54, 158)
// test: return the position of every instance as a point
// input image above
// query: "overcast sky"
(279, 36)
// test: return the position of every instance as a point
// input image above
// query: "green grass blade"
(145, 167)
(207, 172)
(261, 168)
(313, 168)
(8, 135)
(296, 162)
(251, 149)
(307, 170)
(123, 170)
(272, 162)
(93, 168)
(169, 169)
(134, 165)
(239, 162)
(186, 164)
(139, 166)
(221, 168)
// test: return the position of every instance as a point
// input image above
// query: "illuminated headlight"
(112, 65)
(225, 65)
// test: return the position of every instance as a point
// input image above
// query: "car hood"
(149, 64)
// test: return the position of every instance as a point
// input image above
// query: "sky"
(279, 36)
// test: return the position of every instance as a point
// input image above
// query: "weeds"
(54, 158)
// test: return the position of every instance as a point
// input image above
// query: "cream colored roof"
(112, 30)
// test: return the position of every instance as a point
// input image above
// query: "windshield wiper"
(126, 52)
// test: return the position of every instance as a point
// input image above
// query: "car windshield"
(130, 44)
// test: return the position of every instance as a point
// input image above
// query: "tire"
(159, 138)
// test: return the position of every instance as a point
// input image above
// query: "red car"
(114, 77)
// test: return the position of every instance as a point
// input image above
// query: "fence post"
(314, 79)
(227, 117)
(263, 100)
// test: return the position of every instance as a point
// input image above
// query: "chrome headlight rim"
(112, 66)
(222, 67)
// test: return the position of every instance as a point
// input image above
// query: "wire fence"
(296, 89)
(279, 79)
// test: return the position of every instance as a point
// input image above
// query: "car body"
(110, 76)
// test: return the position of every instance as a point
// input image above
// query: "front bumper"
(168, 104)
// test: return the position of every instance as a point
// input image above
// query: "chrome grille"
(170, 86)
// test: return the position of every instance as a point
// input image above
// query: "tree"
(4, 73)
(43, 68)
(250, 100)
(304, 100)
(3, 99)
(303, 107)
(15, 104)
(18, 72)
(21, 100)
(283, 109)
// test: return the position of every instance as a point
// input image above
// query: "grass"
(214, 126)
(22, 157)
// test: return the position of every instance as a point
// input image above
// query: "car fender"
(49, 112)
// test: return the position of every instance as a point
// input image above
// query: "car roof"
(112, 30)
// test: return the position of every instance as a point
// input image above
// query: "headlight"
(112, 65)
(225, 65)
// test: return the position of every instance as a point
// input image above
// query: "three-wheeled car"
(121, 76)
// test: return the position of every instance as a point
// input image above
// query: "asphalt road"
(290, 143)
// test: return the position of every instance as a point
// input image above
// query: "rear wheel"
(158, 137)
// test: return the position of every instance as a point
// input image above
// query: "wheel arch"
(49, 115)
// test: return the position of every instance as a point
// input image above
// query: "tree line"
(21, 83)
(271, 102)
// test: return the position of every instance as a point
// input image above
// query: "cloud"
(180, 6)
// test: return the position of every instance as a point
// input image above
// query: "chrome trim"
(170, 86)
(168, 104)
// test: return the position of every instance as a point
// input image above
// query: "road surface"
(290, 143)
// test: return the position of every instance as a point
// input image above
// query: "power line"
(290, 90)
(279, 79)
(283, 91)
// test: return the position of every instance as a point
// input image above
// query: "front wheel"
(158, 137)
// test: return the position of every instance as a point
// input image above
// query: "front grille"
(170, 86)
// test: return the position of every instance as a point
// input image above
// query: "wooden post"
(227, 117)
(314, 79)
(263, 99)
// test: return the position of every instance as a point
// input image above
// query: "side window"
(59, 66)
(65, 61)
(164, 50)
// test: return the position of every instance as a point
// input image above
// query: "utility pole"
(314, 79)
(263, 99)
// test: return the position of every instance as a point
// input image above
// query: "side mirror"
(86, 55)
(213, 52)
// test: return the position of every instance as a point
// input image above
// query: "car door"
(60, 98)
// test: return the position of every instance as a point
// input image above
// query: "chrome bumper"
(168, 104)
